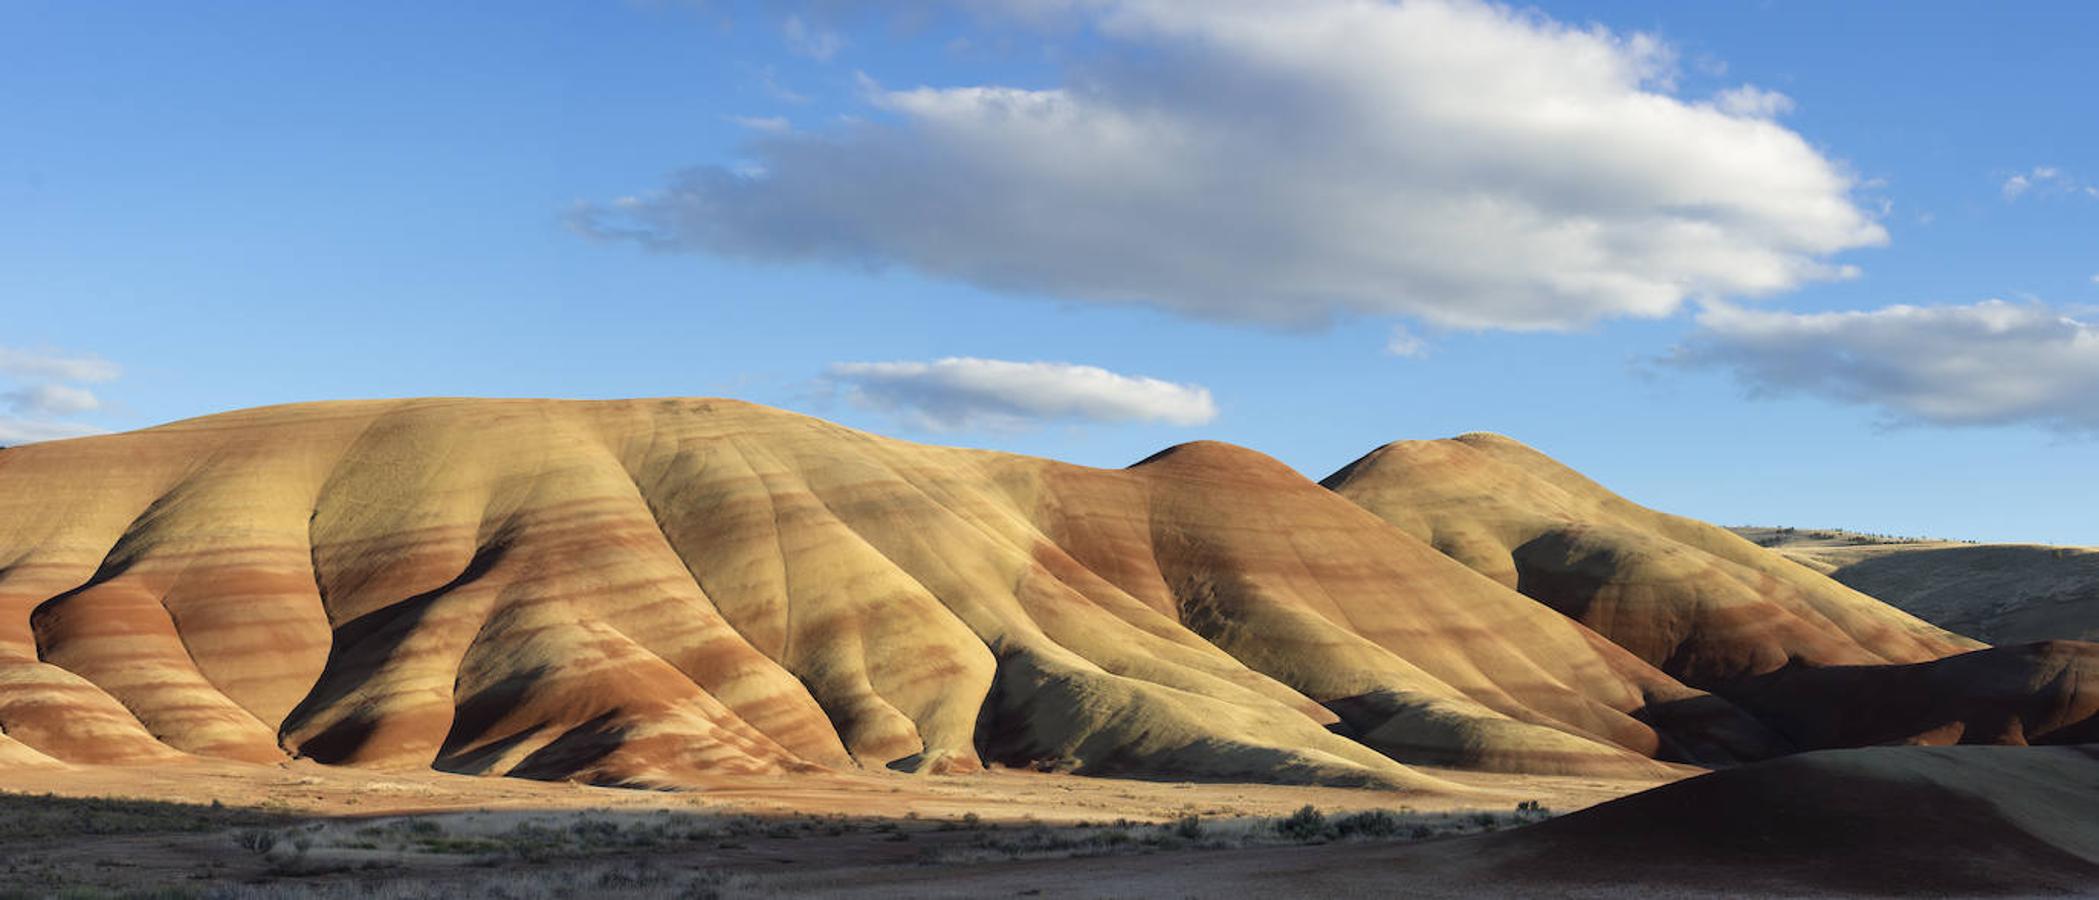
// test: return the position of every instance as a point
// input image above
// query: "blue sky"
(1170, 221)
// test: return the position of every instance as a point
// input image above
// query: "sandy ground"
(303, 788)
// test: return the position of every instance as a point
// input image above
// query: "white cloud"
(768, 124)
(50, 364)
(810, 41)
(2046, 180)
(47, 392)
(1405, 343)
(1290, 163)
(964, 392)
(1754, 102)
(52, 399)
(1989, 363)
(768, 79)
(16, 430)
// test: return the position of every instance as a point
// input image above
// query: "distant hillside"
(1998, 593)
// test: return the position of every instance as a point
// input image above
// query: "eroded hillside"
(647, 592)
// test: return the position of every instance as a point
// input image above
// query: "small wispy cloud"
(1405, 344)
(51, 400)
(1754, 102)
(804, 39)
(767, 124)
(45, 389)
(15, 431)
(61, 366)
(769, 83)
(2046, 180)
(966, 392)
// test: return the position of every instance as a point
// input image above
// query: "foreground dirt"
(1886, 821)
(228, 830)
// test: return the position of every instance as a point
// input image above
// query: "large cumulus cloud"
(1459, 163)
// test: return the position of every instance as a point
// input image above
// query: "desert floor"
(213, 829)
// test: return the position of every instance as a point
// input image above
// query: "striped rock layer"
(655, 592)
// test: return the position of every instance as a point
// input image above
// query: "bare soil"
(215, 829)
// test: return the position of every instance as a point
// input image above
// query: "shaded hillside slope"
(2001, 593)
(2016, 694)
(1689, 597)
(1882, 820)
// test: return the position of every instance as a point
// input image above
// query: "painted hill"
(2002, 593)
(649, 592)
(1824, 665)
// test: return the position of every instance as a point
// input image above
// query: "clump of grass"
(1375, 823)
(628, 878)
(30, 817)
(970, 821)
(1306, 824)
(1309, 825)
(1038, 841)
(256, 840)
(1188, 828)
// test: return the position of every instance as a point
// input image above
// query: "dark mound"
(1881, 820)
